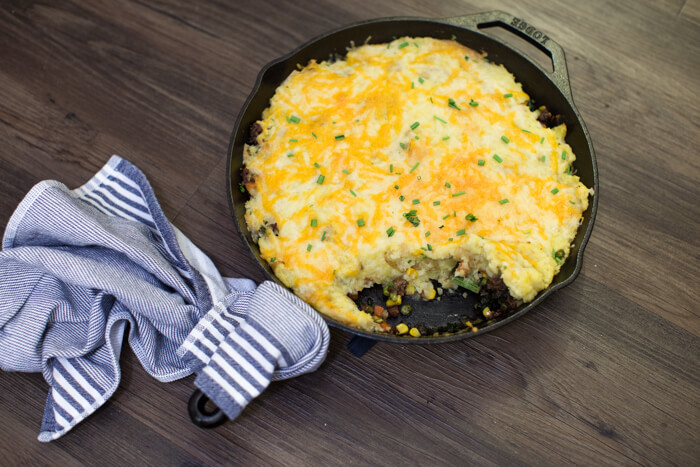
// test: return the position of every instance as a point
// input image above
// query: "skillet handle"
(479, 21)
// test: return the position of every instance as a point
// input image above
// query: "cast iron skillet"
(545, 88)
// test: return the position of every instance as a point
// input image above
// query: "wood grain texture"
(603, 372)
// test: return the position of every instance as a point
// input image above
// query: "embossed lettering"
(529, 30)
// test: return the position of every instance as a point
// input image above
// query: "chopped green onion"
(555, 191)
(272, 260)
(471, 217)
(403, 146)
(320, 179)
(454, 195)
(481, 162)
(451, 102)
(505, 140)
(396, 187)
(445, 217)
(448, 185)
(563, 155)
(415, 125)
(416, 44)
(290, 154)
(346, 171)
(504, 201)
(508, 95)
(390, 231)
(436, 203)
(412, 217)
(353, 193)
(445, 138)
(293, 140)
(542, 140)
(314, 222)
(314, 134)
(466, 57)
(431, 100)
(525, 131)
(416, 201)
(391, 168)
(316, 164)
(473, 103)
(427, 234)
(421, 80)
(461, 232)
(361, 222)
(454, 37)
(568, 169)
(497, 158)
(430, 247)
(439, 119)
(401, 46)
(467, 284)
(412, 85)
(308, 247)
(414, 167)
(241, 187)
(323, 236)
(402, 197)
(450, 239)
(294, 119)
(543, 158)
(442, 226)
(339, 137)
(556, 258)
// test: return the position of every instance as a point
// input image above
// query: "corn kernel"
(401, 328)
(414, 332)
(396, 301)
(412, 273)
(430, 294)
(410, 290)
(488, 314)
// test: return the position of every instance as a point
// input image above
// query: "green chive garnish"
(436, 203)
(461, 232)
(525, 131)
(482, 162)
(451, 102)
(402, 197)
(445, 138)
(542, 140)
(505, 140)
(416, 201)
(314, 222)
(401, 46)
(466, 57)
(572, 201)
(323, 236)
(316, 164)
(555, 191)
(563, 155)
(390, 231)
(412, 85)
(454, 195)
(454, 37)
(308, 247)
(290, 154)
(403, 146)
(543, 158)
(391, 168)
(445, 217)
(241, 187)
(504, 201)
(360, 222)
(467, 284)
(346, 171)
(320, 179)
(353, 193)
(439, 119)
(430, 247)
(293, 140)
(414, 167)
(339, 137)
(396, 187)
(294, 119)
(508, 95)
(497, 158)
(556, 258)
(427, 234)
(415, 125)
(442, 226)
(471, 217)
(314, 134)
(272, 260)
(473, 103)
(448, 185)
(421, 80)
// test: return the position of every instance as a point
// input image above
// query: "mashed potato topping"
(418, 159)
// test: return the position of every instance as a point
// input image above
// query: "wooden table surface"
(605, 371)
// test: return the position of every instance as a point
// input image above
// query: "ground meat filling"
(253, 132)
(550, 120)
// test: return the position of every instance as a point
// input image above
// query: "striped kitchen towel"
(80, 267)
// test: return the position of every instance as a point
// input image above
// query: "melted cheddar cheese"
(408, 160)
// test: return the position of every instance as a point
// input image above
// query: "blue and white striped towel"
(78, 267)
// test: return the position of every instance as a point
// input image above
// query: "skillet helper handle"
(202, 417)
(479, 22)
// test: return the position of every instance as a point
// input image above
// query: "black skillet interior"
(545, 88)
